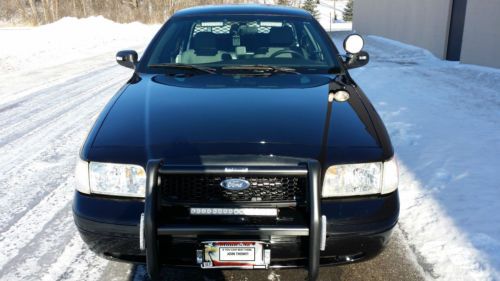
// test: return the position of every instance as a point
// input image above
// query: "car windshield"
(241, 42)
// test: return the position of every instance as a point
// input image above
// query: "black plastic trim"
(150, 232)
(251, 170)
(234, 230)
(314, 179)
(234, 204)
(106, 228)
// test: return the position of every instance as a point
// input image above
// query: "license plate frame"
(234, 254)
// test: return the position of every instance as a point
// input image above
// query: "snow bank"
(35, 48)
(443, 120)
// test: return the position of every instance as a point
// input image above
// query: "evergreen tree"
(348, 11)
(310, 6)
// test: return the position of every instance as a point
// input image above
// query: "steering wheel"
(287, 52)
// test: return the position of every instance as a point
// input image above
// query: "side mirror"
(353, 45)
(127, 58)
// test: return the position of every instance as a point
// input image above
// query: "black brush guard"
(152, 230)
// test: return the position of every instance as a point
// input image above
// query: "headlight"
(117, 179)
(361, 179)
(111, 179)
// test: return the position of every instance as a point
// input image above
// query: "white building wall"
(423, 23)
(481, 39)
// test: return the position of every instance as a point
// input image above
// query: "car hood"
(181, 118)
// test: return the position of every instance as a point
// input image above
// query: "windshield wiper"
(262, 68)
(184, 66)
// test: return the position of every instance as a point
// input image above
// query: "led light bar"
(212, 23)
(234, 212)
(271, 23)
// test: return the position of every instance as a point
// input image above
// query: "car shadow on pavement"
(396, 262)
(139, 273)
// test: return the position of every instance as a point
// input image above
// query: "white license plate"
(234, 254)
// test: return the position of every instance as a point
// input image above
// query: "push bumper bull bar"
(315, 230)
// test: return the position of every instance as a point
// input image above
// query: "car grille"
(206, 188)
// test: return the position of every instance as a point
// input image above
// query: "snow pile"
(443, 120)
(43, 46)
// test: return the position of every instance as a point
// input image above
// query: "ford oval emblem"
(235, 184)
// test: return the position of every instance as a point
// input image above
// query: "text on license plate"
(236, 253)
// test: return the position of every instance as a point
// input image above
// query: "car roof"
(242, 9)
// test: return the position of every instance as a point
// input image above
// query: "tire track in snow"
(46, 169)
(67, 259)
(22, 86)
(76, 263)
(23, 231)
(43, 250)
(36, 160)
(50, 111)
(46, 104)
(19, 87)
(44, 156)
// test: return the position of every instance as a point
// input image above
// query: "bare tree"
(83, 8)
(46, 11)
(54, 7)
(33, 11)
(22, 8)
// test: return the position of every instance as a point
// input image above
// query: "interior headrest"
(234, 29)
(281, 36)
(204, 44)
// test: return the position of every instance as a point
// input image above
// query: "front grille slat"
(205, 188)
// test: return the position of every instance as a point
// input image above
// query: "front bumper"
(356, 229)
(121, 242)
